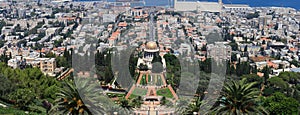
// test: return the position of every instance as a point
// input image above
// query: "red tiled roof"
(260, 74)
(293, 49)
(122, 24)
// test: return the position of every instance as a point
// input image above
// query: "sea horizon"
(252, 3)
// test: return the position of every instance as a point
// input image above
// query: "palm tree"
(181, 106)
(86, 98)
(195, 105)
(239, 98)
(69, 102)
(136, 102)
(124, 103)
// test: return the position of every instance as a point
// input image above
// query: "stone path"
(130, 92)
(173, 92)
(152, 110)
(65, 74)
(151, 88)
(140, 78)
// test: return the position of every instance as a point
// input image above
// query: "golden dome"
(151, 45)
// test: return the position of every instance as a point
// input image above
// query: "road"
(151, 26)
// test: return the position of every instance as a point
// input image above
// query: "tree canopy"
(279, 104)
(27, 88)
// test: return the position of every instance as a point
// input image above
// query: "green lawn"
(143, 80)
(132, 96)
(139, 92)
(14, 111)
(149, 78)
(165, 92)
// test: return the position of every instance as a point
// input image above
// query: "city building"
(109, 18)
(46, 65)
(233, 7)
(183, 5)
(17, 62)
(219, 51)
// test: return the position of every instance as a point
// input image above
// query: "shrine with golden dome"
(151, 49)
(151, 45)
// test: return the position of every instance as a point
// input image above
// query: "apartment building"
(46, 65)
(219, 51)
